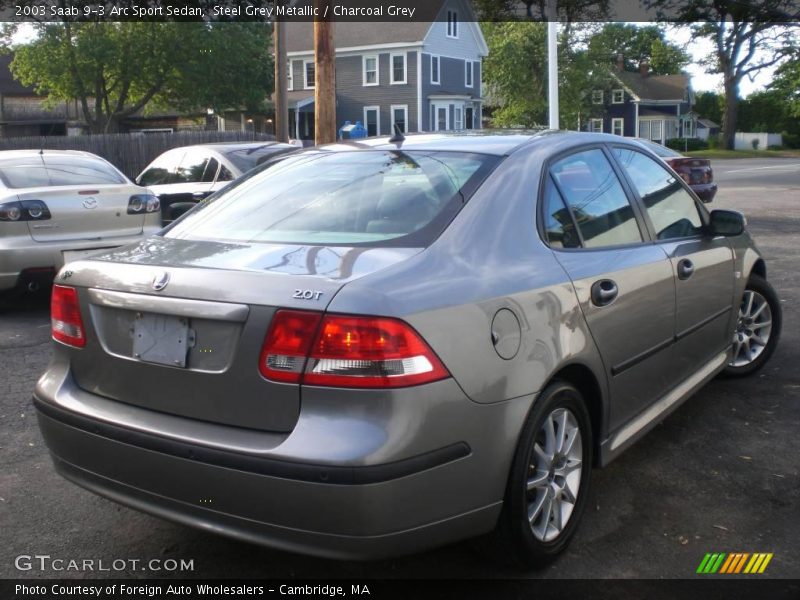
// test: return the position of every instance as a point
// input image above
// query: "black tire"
(761, 286)
(514, 539)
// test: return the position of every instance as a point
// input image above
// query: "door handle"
(604, 292)
(685, 269)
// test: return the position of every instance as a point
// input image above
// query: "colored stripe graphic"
(734, 563)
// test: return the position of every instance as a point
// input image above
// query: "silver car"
(374, 348)
(58, 205)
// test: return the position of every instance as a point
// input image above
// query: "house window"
(459, 118)
(308, 74)
(597, 97)
(372, 120)
(596, 125)
(370, 70)
(452, 24)
(468, 73)
(655, 130)
(435, 69)
(617, 96)
(399, 68)
(289, 77)
(644, 129)
(688, 129)
(400, 117)
(618, 126)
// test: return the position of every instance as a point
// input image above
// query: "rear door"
(703, 266)
(624, 283)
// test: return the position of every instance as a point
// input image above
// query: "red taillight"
(286, 346)
(347, 351)
(65, 317)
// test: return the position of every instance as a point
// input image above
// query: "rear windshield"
(369, 198)
(246, 158)
(50, 171)
(660, 150)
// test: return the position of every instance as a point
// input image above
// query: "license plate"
(68, 256)
(161, 339)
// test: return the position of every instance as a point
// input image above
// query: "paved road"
(720, 474)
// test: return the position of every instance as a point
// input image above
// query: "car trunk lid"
(84, 212)
(192, 347)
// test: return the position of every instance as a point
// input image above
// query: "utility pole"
(281, 108)
(551, 11)
(324, 74)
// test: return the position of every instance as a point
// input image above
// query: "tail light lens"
(65, 317)
(26, 210)
(143, 203)
(347, 351)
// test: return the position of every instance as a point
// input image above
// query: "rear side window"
(558, 224)
(192, 167)
(596, 199)
(670, 207)
(345, 198)
(51, 171)
(162, 170)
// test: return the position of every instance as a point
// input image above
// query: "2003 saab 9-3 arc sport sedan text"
(378, 347)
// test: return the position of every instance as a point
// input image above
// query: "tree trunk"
(730, 112)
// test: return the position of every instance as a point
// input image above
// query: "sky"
(697, 48)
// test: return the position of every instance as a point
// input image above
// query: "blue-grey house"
(422, 76)
(640, 104)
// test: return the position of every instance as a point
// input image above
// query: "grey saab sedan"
(374, 348)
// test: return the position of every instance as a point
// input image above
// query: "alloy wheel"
(753, 329)
(554, 474)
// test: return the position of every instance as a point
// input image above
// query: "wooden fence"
(130, 153)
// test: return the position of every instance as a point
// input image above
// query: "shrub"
(754, 142)
(687, 144)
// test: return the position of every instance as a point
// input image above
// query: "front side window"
(398, 68)
(371, 70)
(162, 170)
(597, 200)
(670, 207)
(368, 198)
(52, 171)
(192, 167)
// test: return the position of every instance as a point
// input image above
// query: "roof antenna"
(398, 137)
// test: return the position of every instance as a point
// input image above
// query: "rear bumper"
(705, 191)
(371, 506)
(22, 253)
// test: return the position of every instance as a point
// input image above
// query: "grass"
(718, 153)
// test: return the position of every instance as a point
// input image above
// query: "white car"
(59, 205)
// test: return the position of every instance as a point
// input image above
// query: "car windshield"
(246, 158)
(51, 171)
(343, 198)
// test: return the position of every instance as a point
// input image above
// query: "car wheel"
(757, 328)
(549, 480)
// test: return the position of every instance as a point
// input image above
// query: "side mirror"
(726, 222)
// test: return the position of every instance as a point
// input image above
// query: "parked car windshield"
(343, 198)
(53, 171)
(245, 159)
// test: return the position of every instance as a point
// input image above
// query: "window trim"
(469, 69)
(289, 77)
(591, 125)
(377, 110)
(392, 108)
(614, 96)
(645, 227)
(438, 80)
(404, 56)
(364, 60)
(621, 121)
(598, 94)
(306, 85)
(452, 24)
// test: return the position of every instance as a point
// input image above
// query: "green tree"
(114, 70)
(747, 37)
(786, 84)
(635, 44)
(709, 105)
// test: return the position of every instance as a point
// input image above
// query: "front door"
(624, 285)
(703, 266)
(440, 117)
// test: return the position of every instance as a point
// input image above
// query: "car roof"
(6, 154)
(495, 142)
